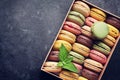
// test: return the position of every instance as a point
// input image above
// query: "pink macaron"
(90, 21)
(72, 27)
(98, 56)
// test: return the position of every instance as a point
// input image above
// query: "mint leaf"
(60, 64)
(63, 53)
(71, 67)
(68, 59)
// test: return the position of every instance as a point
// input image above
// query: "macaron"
(90, 75)
(58, 43)
(82, 8)
(109, 40)
(81, 49)
(51, 66)
(77, 58)
(85, 41)
(53, 56)
(90, 21)
(100, 30)
(79, 67)
(97, 14)
(82, 78)
(114, 32)
(67, 75)
(72, 27)
(102, 47)
(93, 65)
(86, 30)
(76, 17)
(113, 21)
(98, 56)
(67, 36)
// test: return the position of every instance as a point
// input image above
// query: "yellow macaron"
(97, 14)
(67, 36)
(109, 40)
(68, 75)
(58, 43)
(81, 49)
(82, 78)
(114, 32)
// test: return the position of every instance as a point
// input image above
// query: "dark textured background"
(27, 30)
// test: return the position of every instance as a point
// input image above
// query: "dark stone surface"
(27, 30)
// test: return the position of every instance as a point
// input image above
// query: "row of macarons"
(82, 14)
(88, 48)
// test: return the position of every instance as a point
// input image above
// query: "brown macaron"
(85, 41)
(113, 21)
(90, 75)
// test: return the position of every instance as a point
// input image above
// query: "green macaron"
(100, 46)
(100, 30)
(76, 17)
(77, 57)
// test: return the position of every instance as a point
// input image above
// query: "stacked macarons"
(89, 35)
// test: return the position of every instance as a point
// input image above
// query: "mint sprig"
(66, 60)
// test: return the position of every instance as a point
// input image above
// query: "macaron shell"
(90, 21)
(52, 67)
(67, 75)
(103, 48)
(90, 75)
(97, 14)
(100, 30)
(113, 21)
(109, 40)
(114, 32)
(72, 27)
(76, 18)
(58, 43)
(67, 36)
(86, 30)
(53, 56)
(82, 78)
(79, 67)
(93, 65)
(77, 58)
(84, 40)
(81, 49)
(81, 7)
(98, 56)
